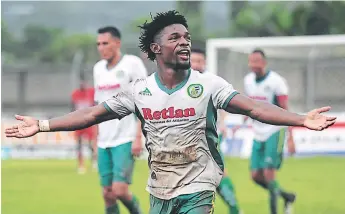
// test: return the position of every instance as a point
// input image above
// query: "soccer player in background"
(267, 153)
(177, 107)
(226, 188)
(118, 140)
(83, 97)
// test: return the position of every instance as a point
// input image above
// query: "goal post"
(309, 59)
(314, 68)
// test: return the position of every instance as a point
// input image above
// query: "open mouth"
(183, 54)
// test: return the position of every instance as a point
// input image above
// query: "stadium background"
(46, 44)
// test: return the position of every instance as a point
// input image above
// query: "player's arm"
(274, 115)
(117, 107)
(282, 101)
(222, 127)
(225, 97)
(76, 120)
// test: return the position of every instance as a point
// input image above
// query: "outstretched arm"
(81, 119)
(274, 115)
(76, 120)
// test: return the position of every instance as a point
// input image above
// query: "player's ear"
(155, 48)
(117, 42)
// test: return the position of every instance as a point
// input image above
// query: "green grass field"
(52, 186)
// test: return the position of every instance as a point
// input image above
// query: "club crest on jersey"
(145, 92)
(267, 89)
(120, 74)
(195, 90)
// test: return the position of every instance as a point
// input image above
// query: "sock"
(274, 193)
(285, 195)
(261, 183)
(132, 205)
(227, 192)
(114, 209)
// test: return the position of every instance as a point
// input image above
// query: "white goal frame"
(265, 42)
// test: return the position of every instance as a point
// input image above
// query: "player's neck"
(113, 62)
(170, 78)
(261, 74)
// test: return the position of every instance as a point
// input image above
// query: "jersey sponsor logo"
(195, 90)
(145, 92)
(167, 113)
(108, 87)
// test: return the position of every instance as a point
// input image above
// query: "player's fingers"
(331, 118)
(330, 123)
(19, 117)
(323, 109)
(13, 134)
(12, 129)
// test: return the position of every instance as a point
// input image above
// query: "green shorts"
(268, 154)
(115, 164)
(195, 203)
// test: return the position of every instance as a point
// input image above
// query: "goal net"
(313, 66)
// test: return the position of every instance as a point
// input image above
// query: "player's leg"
(273, 160)
(196, 203)
(92, 138)
(226, 189)
(81, 166)
(105, 167)
(123, 164)
(256, 164)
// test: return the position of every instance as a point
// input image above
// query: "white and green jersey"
(109, 82)
(265, 89)
(180, 129)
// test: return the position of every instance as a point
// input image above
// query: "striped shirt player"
(180, 129)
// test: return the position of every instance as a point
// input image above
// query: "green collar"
(178, 87)
(260, 79)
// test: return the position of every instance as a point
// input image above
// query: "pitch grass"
(53, 186)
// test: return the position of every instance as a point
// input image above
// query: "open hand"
(316, 121)
(27, 128)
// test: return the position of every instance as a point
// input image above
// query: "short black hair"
(198, 50)
(259, 51)
(151, 29)
(109, 29)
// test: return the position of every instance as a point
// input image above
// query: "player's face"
(256, 62)
(198, 61)
(175, 44)
(107, 45)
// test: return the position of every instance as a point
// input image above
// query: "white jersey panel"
(180, 129)
(266, 90)
(109, 82)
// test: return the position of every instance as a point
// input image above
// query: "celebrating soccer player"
(267, 153)
(177, 107)
(226, 188)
